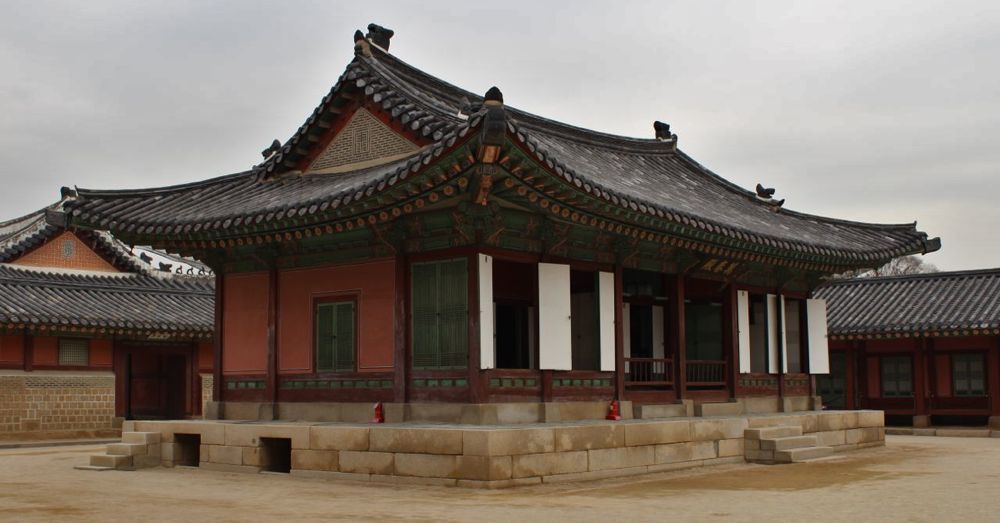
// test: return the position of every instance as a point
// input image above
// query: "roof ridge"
(940, 275)
(112, 282)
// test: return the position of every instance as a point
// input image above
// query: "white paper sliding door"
(487, 331)
(773, 335)
(554, 321)
(819, 349)
(606, 313)
(743, 325)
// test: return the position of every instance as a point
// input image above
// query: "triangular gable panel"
(365, 140)
(65, 251)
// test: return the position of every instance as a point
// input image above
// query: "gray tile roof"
(944, 301)
(643, 175)
(138, 301)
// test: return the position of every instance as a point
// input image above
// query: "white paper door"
(487, 333)
(554, 324)
(773, 336)
(743, 325)
(819, 349)
(606, 308)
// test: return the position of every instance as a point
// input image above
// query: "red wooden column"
(272, 339)
(993, 382)
(619, 335)
(678, 343)
(850, 371)
(220, 284)
(399, 360)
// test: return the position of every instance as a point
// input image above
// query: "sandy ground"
(911, 479)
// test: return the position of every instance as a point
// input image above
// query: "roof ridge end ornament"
(361, 44)
(662, 133)
(494, 126)
(379, 36)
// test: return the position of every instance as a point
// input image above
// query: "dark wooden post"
(619, 334)
(850, 369)
(399, 364)
(272, 339)
(28, 351)
(679, 340)
(220, 283)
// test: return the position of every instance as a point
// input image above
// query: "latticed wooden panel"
(440, 314)
(363, 139)
(74, 352)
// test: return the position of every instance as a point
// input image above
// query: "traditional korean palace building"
(924, 348)
(417, 244)
(90, 334)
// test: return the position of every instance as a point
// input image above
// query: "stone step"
(127, 449)
(677, 410)
(110, 460)
(791, 442)
(773, 432)
(802, 454)
(140, 437)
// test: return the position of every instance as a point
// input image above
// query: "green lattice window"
(897, 377)
(74, 352)
(440, 314)
(335, 336)
(968, 375)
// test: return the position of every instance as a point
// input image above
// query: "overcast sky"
(871, 111)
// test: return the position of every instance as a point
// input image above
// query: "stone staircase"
(136, 450)
(782, 445)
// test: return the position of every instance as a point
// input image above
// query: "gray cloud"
(876, 111)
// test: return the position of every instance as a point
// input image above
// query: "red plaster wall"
(12, 350)
(206, 357)
(46, 350)
(244, 330)
(50, 254)
(100, 352)
(374, 285)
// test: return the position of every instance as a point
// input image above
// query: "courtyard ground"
(911, 479)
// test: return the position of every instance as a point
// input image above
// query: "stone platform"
(481, 456)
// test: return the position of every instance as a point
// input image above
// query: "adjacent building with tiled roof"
(416, 242)
(91, 333)
(923, 346)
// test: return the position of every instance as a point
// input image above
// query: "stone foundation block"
(830, 438)
(454, 467)
(731, 447)
(314, 459)
(760, 455)
(248, 435)
(223, 467)
(852, 436)
(655, 433)
(530, 465)
(587, 437)
(416, 440)
(716, 429)
(168, 451)
(366, 462)
(871, 418)
(687, 451)
(874, 434)
(499, 483)
(623, 457)
(507, 442)
(338, 438)
(224, 454)
(836, 420)
(252, 456)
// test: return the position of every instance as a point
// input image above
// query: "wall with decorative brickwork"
(66, 251)
(56, 401)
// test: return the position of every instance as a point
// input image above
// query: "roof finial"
(379, 35)
(662, 131)
(361, 45)
(493, 96)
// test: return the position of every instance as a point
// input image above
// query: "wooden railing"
(706, 373)
(649, 371)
